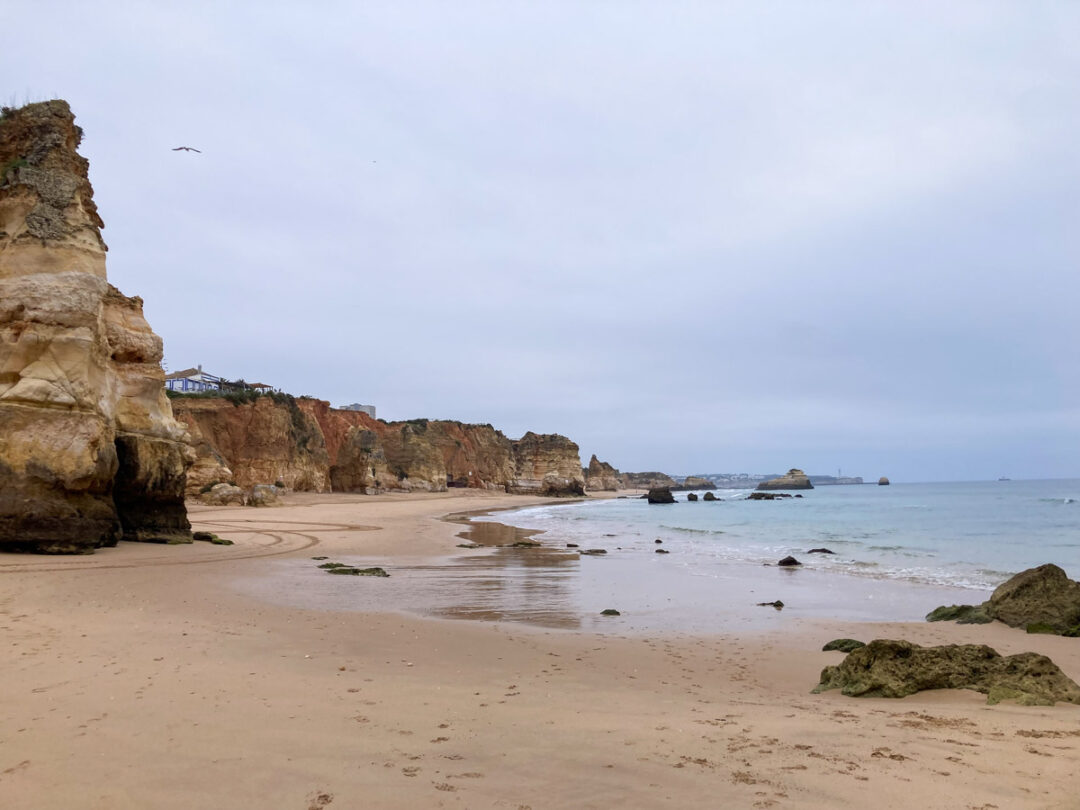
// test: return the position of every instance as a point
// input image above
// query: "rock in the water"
(346, 570)
(777, 604)
(709, 496)
(691, 497)
(572, 545)
(820, 551)
(593, 551)
(89, 450)
(1042, 596)
(658, 541)
(789, 561)
(610, 612)
(660, 495)
(843, 645)
(894, 669)
(883, 481)
(223, 495)
(263, 495)
(662, 551)
(792, 479)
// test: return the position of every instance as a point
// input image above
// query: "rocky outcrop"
(660, 495)
(646, 480)
(1041, 599)
(546, 464)
(309, 446)
(89, 450)
(793, 479)
(895, 669)
(601, 476)
(883, 481)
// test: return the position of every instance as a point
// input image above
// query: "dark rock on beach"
(662, 551)
(1044, 597)
(777, 604)
(894, 669)
(820, 551)
(610, 612)
(710, 497)
(593, 551)
(843, 645)
(691, 496)
(789, 561)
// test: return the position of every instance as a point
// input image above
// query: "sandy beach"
(158, 676)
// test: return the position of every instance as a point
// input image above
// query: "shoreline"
(135, 679)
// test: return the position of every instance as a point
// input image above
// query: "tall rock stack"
(89, 450)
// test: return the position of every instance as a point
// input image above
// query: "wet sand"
(150, 676)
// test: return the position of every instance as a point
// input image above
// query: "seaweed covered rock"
(843, 645)
(895, 669)
(1042, 597)
(961, 614)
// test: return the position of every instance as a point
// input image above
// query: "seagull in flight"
(187, 149)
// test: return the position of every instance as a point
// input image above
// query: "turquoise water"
(967, 535)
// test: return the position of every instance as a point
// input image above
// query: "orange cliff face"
(89, 450)
(309, 446)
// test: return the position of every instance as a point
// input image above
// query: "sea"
(965, 535)
(898, 552)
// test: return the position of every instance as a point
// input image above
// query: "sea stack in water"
(89, 450)
(660, 495)
(793, 479)
(883, 481)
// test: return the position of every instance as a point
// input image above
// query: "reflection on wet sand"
(533, 585)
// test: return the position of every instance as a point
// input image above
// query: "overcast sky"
(694, 237)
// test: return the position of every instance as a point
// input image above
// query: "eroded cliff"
(89, 450)
(307, 445)
(601, 476)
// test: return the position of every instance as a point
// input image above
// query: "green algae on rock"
(895, 669)
(1042, 596)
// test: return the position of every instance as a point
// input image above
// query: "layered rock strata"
(309, 446)
(601, 476)
(792, 479)
(89, 450)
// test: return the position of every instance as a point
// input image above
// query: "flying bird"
(187, 149)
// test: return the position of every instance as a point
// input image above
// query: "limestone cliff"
(89, 450)
(307, 445)
(601, 476)
(646, 480)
